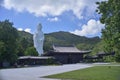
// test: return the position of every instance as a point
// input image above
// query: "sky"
(75, 16)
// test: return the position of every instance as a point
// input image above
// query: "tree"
(25, 40)
(99, 47)
(31, 51)
(110, 12)
(8, 40)
(2, 50)
(20, 50)
(23, 44)
(87, 46)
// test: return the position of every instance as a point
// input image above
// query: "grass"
(115, 63)
(93, 73)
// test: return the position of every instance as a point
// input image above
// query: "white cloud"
(20, 29)
(53, 19)
(53, 7)
(28, 30)
(91, 29)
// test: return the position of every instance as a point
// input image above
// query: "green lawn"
(93, 73)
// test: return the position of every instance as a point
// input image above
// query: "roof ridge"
(61, 45)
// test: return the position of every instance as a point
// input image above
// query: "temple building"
(63, 55)
(60, 54)
(67, 54)
(35, 60)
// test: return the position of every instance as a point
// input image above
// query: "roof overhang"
(34, 57)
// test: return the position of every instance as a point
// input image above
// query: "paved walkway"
(36, 73)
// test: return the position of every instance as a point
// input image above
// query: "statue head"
(39, 27)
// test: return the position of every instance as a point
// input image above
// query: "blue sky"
(75, 16)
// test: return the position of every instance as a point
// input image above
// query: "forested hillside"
(67, 38)
(63, 38)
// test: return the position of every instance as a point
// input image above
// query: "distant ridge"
(63, 38)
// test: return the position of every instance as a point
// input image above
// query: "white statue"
(39, 39)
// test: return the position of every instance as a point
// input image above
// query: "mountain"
(26, 35)
(63, 38)
(69, 38)
(66, 38)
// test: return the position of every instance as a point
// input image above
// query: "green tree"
(2, 50)
(25, 40)
(8, 40)
(99, 47)
(20, 50)
(83, 46)
(110, 12)
(31, 51)
(23, 44)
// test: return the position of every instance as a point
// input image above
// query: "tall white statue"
(39, 39)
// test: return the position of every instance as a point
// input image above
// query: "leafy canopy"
(110, 16)
(8, 42)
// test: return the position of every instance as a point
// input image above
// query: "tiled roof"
(66, 49)
(34, 57)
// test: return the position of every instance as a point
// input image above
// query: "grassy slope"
(93, 73)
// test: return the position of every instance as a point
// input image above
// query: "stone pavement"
(36, 73)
